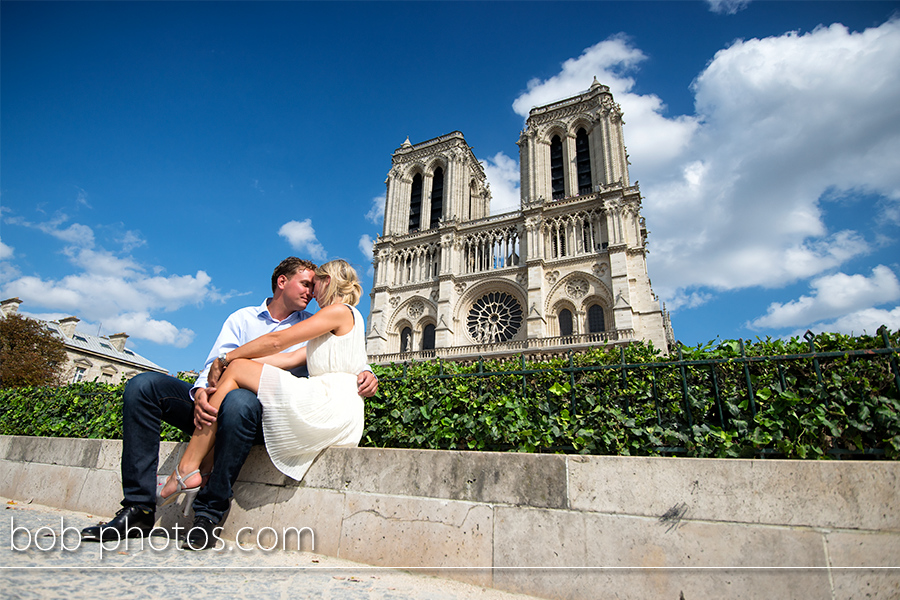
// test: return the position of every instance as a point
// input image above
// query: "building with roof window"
(92, 357)
(566, 271)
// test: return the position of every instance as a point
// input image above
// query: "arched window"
(556, 168)
(428, 337)
(595, 319)
(415, 203)
(583, 161)
(405, 339)
(565, 322)
(437, 198)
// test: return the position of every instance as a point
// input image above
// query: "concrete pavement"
(42, 557)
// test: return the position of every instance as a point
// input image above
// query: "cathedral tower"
(565, 271)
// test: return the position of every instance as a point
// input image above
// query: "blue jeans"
(150, 399)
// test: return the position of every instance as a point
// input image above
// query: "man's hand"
(368, 384)
(204, 412)
(215, 371)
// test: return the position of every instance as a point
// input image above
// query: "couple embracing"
(262, 383)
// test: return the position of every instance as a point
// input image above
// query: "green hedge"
(79, 410)
(590, 403)
(594, 405)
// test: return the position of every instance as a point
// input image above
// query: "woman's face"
(319, 290)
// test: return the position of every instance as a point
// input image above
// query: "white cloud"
(131, 240)
(140, 324)
(727, 7)
(680, 299)
(82, 198)
(503, 176)
(101, 297)
(376, 212)
(866, 321)
(365, 245)
(606, 60)
(781, 122)
(366, 248)
(834, 296)
(302, 237)
(101, 262)
(113, 291)
(76, 233)
(6, 252)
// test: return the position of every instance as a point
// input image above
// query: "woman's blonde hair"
(344, 285)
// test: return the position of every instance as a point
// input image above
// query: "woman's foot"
(177, 484)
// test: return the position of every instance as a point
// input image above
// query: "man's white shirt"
(245, 325)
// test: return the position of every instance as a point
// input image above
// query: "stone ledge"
(548, 525)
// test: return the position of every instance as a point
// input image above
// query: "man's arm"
(230, 336)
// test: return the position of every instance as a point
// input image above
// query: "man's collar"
(264, 311)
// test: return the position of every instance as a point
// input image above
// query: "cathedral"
(567, 271)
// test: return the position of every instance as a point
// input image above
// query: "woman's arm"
(334, 317)
(285, 360)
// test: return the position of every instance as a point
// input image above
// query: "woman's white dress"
(303, 416)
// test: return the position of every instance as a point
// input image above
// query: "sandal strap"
(180, 478)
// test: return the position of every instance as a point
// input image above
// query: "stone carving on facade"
(416, 308)
(394, 301)
(577, 288)
(460, 287)
(552, 277)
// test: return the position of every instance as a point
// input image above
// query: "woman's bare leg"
(242, 373)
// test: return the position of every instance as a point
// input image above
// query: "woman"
(301, 416)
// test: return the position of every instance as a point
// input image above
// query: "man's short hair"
(288, 267)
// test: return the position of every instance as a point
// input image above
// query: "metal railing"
(689, 373)
(547, 345)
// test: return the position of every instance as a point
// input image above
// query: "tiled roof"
(101, 345)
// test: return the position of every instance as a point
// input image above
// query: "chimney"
(67, 326)
(118, 341)
(9, 306)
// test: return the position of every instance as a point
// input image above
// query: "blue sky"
(157, 160)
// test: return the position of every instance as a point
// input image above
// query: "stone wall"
(552, 526)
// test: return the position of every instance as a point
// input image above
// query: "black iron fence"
(818, 399)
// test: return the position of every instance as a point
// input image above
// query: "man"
(151, 398)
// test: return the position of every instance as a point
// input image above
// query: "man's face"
(298, 290)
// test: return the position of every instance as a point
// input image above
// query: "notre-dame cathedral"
(566, 271)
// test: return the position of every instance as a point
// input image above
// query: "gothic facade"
(566, 271)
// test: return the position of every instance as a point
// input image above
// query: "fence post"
(887, 344)
(572, 405)
(747, 377)
(624, 384)
(524, 378)
(684, 389)
(715, 380)
(811, 339)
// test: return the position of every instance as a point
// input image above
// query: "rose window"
(495, 317)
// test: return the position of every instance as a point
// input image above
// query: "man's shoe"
(131, 521)
(202, 535)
